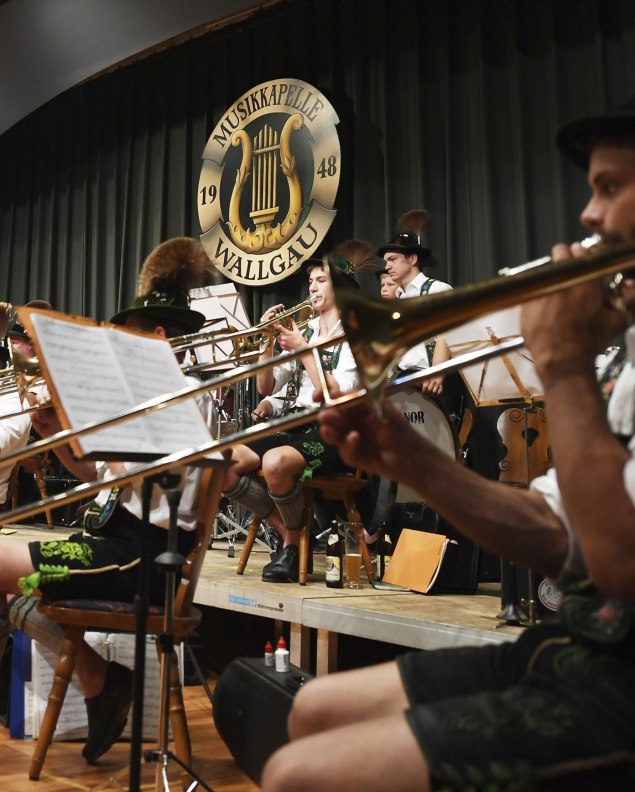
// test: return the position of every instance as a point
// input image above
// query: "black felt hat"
(577, 138)
(410, 230)
(168, 274)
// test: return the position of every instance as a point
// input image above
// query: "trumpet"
(246, 343)
(379, 332)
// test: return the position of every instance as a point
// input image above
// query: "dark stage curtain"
(449, 105)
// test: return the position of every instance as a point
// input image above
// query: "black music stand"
(507, 380)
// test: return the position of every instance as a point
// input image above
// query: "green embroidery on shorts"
(71, 551)
(531, 715)
(500, 777)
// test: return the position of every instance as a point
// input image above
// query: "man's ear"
(160, 331)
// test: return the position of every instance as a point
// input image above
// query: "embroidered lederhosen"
(329, 358)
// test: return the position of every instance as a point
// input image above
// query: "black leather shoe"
(108, 712)
(285, 568)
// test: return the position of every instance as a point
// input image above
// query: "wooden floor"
(65, 769)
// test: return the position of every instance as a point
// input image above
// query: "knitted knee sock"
(24, 615)
(251, 494)
(290, 507)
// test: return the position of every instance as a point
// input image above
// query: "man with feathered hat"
(109, 557)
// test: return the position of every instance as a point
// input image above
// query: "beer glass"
(353, 537)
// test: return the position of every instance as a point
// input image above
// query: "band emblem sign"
(270, 174)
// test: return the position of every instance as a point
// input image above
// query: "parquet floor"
(66, 770)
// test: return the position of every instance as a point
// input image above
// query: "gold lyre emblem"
(261, 162)
(270, 174)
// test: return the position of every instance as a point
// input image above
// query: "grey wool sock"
(290, 507)
(24, 615)
(251, 494)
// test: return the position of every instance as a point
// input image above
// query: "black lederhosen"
(120, 544)
(321, 458)
(524, 715)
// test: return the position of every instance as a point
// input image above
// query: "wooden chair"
(339, 488)
(78, 616)
(38, 466)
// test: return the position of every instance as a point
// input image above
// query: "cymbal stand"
(169, 562)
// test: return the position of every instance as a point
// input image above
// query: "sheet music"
(511, 377)
(223, 307)
(101, 371)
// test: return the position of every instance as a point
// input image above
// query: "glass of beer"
(353, 537)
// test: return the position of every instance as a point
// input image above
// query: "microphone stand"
(169, 563)
(167, 481)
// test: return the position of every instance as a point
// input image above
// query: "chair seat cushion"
(102, 606)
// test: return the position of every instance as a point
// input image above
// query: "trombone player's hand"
(567, 329)
(380, 444)
(292, 339)
(262, 411)
(44, 420)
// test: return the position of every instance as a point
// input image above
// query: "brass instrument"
(379, 332)
(246, 343)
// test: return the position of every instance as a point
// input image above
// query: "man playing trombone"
(288, 457)
(102, 562)
(554, 709)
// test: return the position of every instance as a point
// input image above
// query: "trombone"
(247, 343)
(378, 332)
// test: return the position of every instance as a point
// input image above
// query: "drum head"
(431, 421)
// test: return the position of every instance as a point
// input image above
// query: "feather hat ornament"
(410, 229)
(167, 276)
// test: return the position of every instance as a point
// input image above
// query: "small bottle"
(269, 658)
(334, 556)
(282, 655)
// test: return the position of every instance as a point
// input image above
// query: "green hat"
(167, 276)
(577, 138)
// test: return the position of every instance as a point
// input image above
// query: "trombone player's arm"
(46, 423)
(507, 521)
(596, 474)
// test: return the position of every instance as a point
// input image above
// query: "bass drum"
(429, 419)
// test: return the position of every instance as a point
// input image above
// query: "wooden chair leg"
(254, 526)
(39, 478)
(178, 721)
(64, 667)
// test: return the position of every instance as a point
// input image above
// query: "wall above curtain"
(450, 105)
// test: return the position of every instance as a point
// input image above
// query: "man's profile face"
(611, 208)
(402, 269)
(320, 289)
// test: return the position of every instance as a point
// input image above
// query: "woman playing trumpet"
(288, 458)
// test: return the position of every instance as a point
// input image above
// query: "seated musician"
(15, 429)
(405, 259)
(388, 288)
(109, 561)
(554, 709)
(287, 458)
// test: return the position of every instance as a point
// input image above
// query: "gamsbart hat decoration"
(408, 240)
(168, 274)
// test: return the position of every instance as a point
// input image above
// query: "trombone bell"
(380, 331)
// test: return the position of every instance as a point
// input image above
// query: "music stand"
(509, 379)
